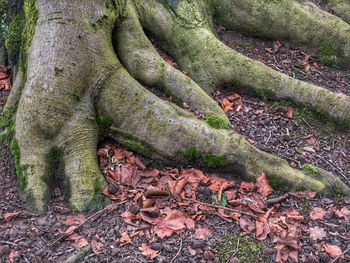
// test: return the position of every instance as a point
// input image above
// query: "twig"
(8, 243)
(342, 254)
(277, 200)
(335, 167)
(234, 254)
(178, 252)
(220, 207)
(97, 214)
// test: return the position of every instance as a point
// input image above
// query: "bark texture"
(83, 73)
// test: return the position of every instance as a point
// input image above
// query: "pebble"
(208, 255)
(198, 244)
(156, 246)
(167, 248)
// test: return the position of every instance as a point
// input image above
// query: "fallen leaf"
(70, 230)
(13, 255)
(317, 213)
(191, 251)
(263, 186)
(202, 233)
(247, 224)
(148, 252)
(317, 233)
(10, 216)
(246, 187)
(332, 250)
(124, 238)
(290, 112)
(97, 246)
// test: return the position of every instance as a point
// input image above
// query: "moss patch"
(311, 170)
(215, 161)
(192, 154)
(278, 183)
(103, 122)
(216, 122)
(246, 248)
(329, 55)
(20, 170)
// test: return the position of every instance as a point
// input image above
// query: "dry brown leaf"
(262, 228)
(70, 230)
(191, 251)
(246, 187)
(97, 246)
(124, 238)
(317, 233)
(202, 233)
(332, 250)
(290, 112)
(247, 224)
(13, 255)
(263, 186)
(148, 252)
(317, 213)
(10, 216)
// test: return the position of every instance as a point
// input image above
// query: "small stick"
(220, 207)
(178, 252)
(342, 254)
(97, 214)
(277, 200)
(8, 243)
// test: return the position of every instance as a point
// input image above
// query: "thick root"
(195, 47)
(340, 7)
(79, 144)
(156, 121)
(144, 63)
(301, 23)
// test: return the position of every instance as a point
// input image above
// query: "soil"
(300, 138)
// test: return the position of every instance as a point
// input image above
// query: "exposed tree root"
(340, 7)
(74, 80)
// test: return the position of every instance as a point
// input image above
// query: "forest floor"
(264, 225)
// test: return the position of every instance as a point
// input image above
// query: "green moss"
(265, 94)
(311, 170)
(31, 16)
(98, 201)
(215, 161)
(20, 170)
(278, 183)
(104, 122)
(133, 143)
(246, 249)
(328, 54)
(192, 154)
(216, 122)
(7, 125)
(13, 36)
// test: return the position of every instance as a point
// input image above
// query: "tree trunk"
(83, 63)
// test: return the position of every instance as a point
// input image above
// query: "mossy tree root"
(144, 63)
(221, 146)
(73, 73)
(340, 7)
(211, 64)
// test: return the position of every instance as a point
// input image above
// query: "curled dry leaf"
(124, 238)
(263, 186)
(191, 251)
(246, 187)
(148, 252)
(332, 250)
(317, 213)
(317, 233)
